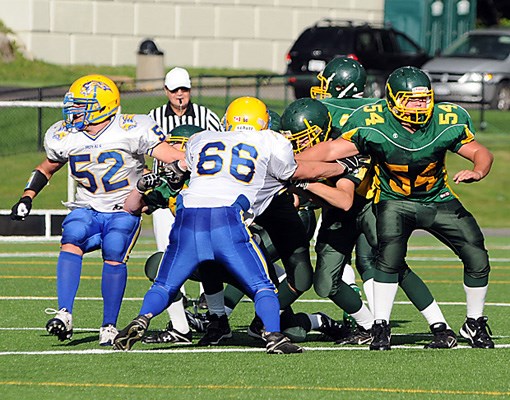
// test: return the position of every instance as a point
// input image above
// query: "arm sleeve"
(282, 164)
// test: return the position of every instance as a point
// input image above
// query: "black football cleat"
(477, 333)
(131, 334)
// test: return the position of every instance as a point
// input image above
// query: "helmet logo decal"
(89, 87)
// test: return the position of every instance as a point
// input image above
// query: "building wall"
(196, 33)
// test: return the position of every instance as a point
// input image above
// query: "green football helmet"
(274, 120)
(341, 78)
(305, 122)
(407, 84)
(181, 134)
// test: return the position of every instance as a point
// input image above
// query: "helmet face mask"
(305, 122)
(91, 99)
(341, 78)
(181, 134)
(409, 95)
(246, 113)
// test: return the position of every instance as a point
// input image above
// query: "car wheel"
(501, 99)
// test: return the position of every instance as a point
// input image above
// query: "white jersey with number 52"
(105, 166)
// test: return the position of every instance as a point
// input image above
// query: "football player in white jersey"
(228, 170)
(105, 150)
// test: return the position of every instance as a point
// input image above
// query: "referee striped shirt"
(195, 115)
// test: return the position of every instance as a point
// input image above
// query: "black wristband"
(37, 181)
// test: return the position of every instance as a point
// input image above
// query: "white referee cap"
(176, 78)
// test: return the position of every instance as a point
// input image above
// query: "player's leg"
(244, 260)
(458, 229)
(395, 223)
(179, 261)
(81, 233)
(119, 234)
(178, 328)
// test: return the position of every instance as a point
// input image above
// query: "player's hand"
(353, 163)
(174, 173)
(21, 209)
(467, 176)
(147, 182)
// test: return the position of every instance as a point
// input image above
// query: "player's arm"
(340, 196)
(481, 158)
(329, 151)
(37, 181)
(166, 153)
(314, 170)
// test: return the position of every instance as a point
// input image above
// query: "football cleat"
(217, 330)
(381, 335)
(359, 336)
(131, 334)
(477, 333)
(169, 335)
(61, 325)
(256, 328)
(444, 338)
(197, 321)
(331, 328)
(107, 335)
(278, 343)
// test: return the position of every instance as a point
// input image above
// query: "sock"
(433, 314)
(348, 275)
(347, 299)
(385, 290)
(368, 288)
(315, 321)
(216, 303)
(475, 300)
(416, 290)
(232, 297)
(68, 279)
(286, 295)
(113, 285)
(155, 301)
(178, 316)
(364, 317)
(267, 308)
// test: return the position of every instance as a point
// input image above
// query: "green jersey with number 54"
(409, 165)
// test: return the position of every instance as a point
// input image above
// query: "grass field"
(34, 365)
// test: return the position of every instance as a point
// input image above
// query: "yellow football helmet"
(91, 99)
(246, 113)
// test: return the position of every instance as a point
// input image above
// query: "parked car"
(474, 68)
(380, 49)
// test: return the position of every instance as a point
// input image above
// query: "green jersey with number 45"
(409, 165)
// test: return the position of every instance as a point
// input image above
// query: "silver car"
(474, 67)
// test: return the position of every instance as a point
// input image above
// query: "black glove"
(352, 163)
(301, 184)
(148, 181)
(174, 173)
(21, 209)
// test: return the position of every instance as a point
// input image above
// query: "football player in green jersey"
(342, 85)
(407, 137)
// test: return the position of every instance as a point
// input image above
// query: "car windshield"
(493, 46)
(316, 38)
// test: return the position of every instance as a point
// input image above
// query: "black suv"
(380, 49)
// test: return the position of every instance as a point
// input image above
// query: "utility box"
(150, 69)
(433, 24)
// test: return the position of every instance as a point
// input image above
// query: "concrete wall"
(195, 33)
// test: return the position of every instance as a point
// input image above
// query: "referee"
(180, 110)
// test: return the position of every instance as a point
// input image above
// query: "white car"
(474, 68)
